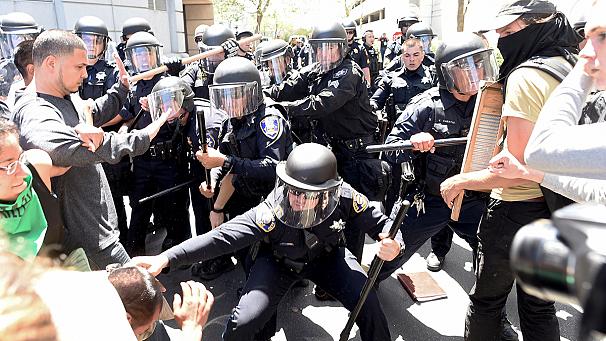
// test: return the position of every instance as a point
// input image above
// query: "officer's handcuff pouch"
(438, 169)
(375, 178)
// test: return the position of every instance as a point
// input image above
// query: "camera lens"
(542, 263)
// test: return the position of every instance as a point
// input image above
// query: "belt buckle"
(152, 151)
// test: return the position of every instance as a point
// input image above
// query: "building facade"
(173, 21)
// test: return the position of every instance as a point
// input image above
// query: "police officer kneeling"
(301, 227)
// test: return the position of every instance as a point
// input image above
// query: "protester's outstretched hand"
(192, 309)
(507, 166)
(122, 73)
(153, 264)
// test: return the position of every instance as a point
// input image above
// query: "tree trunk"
(461, 16)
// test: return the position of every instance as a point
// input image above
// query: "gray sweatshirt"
(558, 144)
(47, 122)
(572, 156)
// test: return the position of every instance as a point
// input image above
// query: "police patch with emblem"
(271, 127)
(340, 73)
(265, 220)
(360, 202)
(334, 83)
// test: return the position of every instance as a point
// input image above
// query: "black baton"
(132, 125)
(167, 191)
(373, 272)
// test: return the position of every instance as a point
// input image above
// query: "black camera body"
(564, 259)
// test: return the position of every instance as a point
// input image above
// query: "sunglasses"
(297, 193)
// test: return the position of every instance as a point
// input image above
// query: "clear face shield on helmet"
(9, 75)
(276, 68)
(9, 42)
(165, 100)
(210, 63)
(302, 209)
(464, 74)
(235, 99)
(143, 58)
(328, 55)
(426, 42)
(95, 46)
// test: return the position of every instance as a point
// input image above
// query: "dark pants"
(338, 273)
(200, 204)
(348, 167)
(170, 211)
(118, 178)
(417, 229)
(494, 278)
(441, 242)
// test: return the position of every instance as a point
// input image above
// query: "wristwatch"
(227, 164)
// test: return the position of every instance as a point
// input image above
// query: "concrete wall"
(196, 12)
(167, 23)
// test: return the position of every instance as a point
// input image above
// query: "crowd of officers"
(256, 126)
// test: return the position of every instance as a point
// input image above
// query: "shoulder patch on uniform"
(265, 219)
(360, 202)
(271, 127)
(333, 83)
(340, 73)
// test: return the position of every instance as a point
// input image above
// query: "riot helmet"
(350, 26)
(236, 88)
(463, 61)
(170, 93)
(328, 45)
(275, 59)
(407, 20)
(16, 27)
(199, 32)
(214, 36)
(308, 186)
(134, 25)
(93, 32)
(579, 24)
(423, 32)
(246, 47)
(143, 52)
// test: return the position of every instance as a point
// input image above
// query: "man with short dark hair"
(49, 120)
(23, 61)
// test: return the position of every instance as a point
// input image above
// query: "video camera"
(564, 259)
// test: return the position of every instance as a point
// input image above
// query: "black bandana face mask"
(548, 39)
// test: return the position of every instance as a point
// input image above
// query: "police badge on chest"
(337, 225)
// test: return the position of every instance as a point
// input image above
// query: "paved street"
(302, 317)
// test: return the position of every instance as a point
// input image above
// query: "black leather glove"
(174, 66)
(230, 48)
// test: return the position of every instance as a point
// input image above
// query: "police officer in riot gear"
(130, 27)
(393, 49)
(15, 28)
(444, 111)
(424, 33)
(101, 74)
(339, 101)
(404, 83)
(199, 32)
(275, 58)
(300, 229)
(246, 49)
(373, 58)
(356, 51)
(199, 75)
(251, 143)
(395, 90)
(164, 164)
